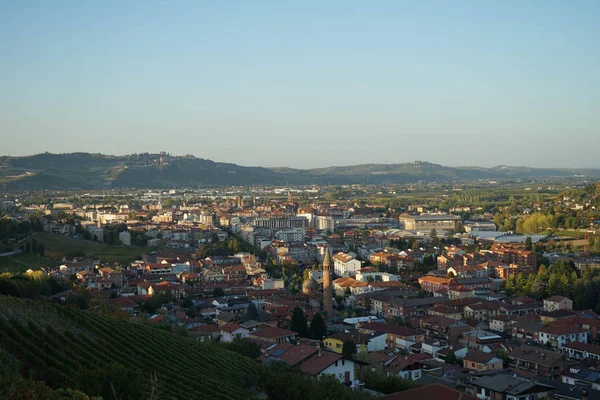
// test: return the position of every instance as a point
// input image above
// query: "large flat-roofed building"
(429, 222)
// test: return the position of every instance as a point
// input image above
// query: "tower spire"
(327, 295)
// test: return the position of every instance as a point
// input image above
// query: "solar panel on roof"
(278, 353)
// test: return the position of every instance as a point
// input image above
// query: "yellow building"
(336, 341)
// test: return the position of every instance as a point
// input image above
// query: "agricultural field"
(22, 262)
(115, 359)
(58, 246)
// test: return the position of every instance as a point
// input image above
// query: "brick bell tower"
(327, 297)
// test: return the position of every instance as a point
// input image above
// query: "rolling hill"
(102, 356)
(97, 171)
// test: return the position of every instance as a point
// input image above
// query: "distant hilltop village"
(486, 294)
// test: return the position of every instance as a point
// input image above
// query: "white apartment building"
(325, 223)
(291, 235)
(345, 265)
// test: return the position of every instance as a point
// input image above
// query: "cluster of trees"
(19, 229)
(388, 384)
(33, 247)
(228, 247)
(30, 286)
(563, 279)
(281, 382)
(317, 329)
(535, 223)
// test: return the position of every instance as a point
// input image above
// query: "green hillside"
(99, 171)
(103, 356)
(58, 246)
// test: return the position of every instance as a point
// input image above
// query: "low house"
(328, 363)
(558, 336)
(480, 339)
(273, 335)
(479, 361)
(508, 387)
(205, 332)
(500, 323)
(446, 329)
(543, 362)
(404, 368)
(125, 304)
(230, 331)
(558, 303)
(365, 343)
(580, 350)
(288, 353)
(482, 311)
(398, 337)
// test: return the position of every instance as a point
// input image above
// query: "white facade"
(412, 375)
(229, 336)
(325, 223)
(560, 340)
(291, 235)
(342, 369)
(377, 343)
(377, 277)
(345, 266)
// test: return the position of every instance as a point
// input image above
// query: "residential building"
(508, 387)
(345, 264)
(479, 361)
(558, 336)
(557, 303)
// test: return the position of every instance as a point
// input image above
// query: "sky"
(305, 83)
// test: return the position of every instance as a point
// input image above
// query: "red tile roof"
(316, 363)
(273, 332)
(430, 392)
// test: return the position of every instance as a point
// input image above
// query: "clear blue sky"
(305, 83)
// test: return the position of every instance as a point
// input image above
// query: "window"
(337, 346)
(336, 363)
(343, 362)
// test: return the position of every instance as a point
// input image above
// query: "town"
(489, 293)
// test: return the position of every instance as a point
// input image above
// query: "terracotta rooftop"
(430, 392)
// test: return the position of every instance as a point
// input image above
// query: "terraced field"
(102, 356)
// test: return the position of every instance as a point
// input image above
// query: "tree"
(218, 292)
(251, 313)
(349, 349)
(317, 327)
(298, 323)
(451, 358)
(502, 354)
(450, 275)
(528, 243)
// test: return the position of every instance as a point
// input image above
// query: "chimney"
(319, 353)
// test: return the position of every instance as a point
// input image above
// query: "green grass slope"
(103, 356)
(58, 246)
(22, 262)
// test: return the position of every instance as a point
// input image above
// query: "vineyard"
(102, 356)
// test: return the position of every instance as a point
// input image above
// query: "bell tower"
(327, 295)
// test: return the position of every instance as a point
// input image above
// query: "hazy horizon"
(305, 85)
(557, 166)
